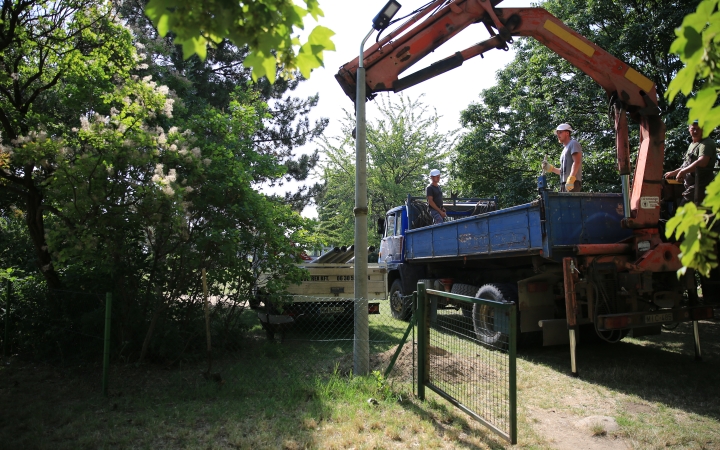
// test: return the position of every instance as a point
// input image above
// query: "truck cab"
(393, 228)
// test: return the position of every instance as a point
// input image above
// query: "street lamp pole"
(361, 346)
(361, 350)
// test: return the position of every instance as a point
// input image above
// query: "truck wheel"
(400, 307)
(489, 326)
(468, 290)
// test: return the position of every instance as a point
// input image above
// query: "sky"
(449, 93)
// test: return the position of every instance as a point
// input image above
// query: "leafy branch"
(266, 27)
(697, 45)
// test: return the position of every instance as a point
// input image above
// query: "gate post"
(423, 339)
(106, 352)
(512, 375)
(6, 345)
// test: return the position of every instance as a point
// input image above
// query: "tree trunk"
(36, 227)
(151, 328)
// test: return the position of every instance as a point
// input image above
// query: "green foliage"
(57, 59)
(266, 27)
(511, 126)
(697, 43)
(403, 145)
(116, 193)
(698, 247)
(210, 82)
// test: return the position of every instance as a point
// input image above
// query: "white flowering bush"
(116, 194)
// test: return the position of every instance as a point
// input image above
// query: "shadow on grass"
(442, 415)
(660, 368)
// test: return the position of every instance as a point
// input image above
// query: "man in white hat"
(570, 169)
(435, 198)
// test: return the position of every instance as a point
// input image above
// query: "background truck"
(327, 289)
(566, 259)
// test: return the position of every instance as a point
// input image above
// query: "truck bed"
(550, 227)
(336, 281)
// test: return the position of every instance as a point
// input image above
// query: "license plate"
(331, 309)
(658, 318)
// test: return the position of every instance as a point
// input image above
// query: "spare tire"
(484, 206)
(468, 290)
(490, 327)
(421, 216)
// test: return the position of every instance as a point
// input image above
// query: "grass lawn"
(292, 396)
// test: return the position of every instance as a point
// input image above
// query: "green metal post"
(422, 339)
(394, 358)
(106, 355)
(513, 374)
(6, 347)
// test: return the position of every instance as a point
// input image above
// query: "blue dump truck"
(565, 259)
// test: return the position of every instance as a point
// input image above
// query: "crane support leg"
(570, 277)
(696, 333)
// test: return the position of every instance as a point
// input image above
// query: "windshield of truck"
(390, 225)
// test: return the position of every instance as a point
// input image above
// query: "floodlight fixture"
(382, 20)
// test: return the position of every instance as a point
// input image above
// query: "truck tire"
(488, 327)
(468, 290)
(400, 306)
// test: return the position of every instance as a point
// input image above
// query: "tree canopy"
(403, 145)
(129, 169)
(265, 27)
(210, 82)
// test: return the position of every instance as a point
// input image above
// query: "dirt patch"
(446, 366)
(562, 433)
(638, 408)
(403, 367)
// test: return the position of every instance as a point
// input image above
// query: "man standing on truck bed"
(570, 169)
(700, 153)
(435, 198)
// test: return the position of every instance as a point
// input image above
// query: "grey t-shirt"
(436, 193)
(566, 160)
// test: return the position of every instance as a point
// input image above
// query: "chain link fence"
(313, 335)
(60, 326)
(323, 330)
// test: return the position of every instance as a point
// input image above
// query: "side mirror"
(381, 226)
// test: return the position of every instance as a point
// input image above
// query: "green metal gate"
(466, 354)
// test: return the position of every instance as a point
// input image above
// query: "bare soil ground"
(653, 387)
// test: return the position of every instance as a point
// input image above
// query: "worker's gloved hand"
(547, 167)
(570, 183)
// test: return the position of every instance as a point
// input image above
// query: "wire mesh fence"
(54, 325)
(323, 329)
(468, 355)
(312, 335)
